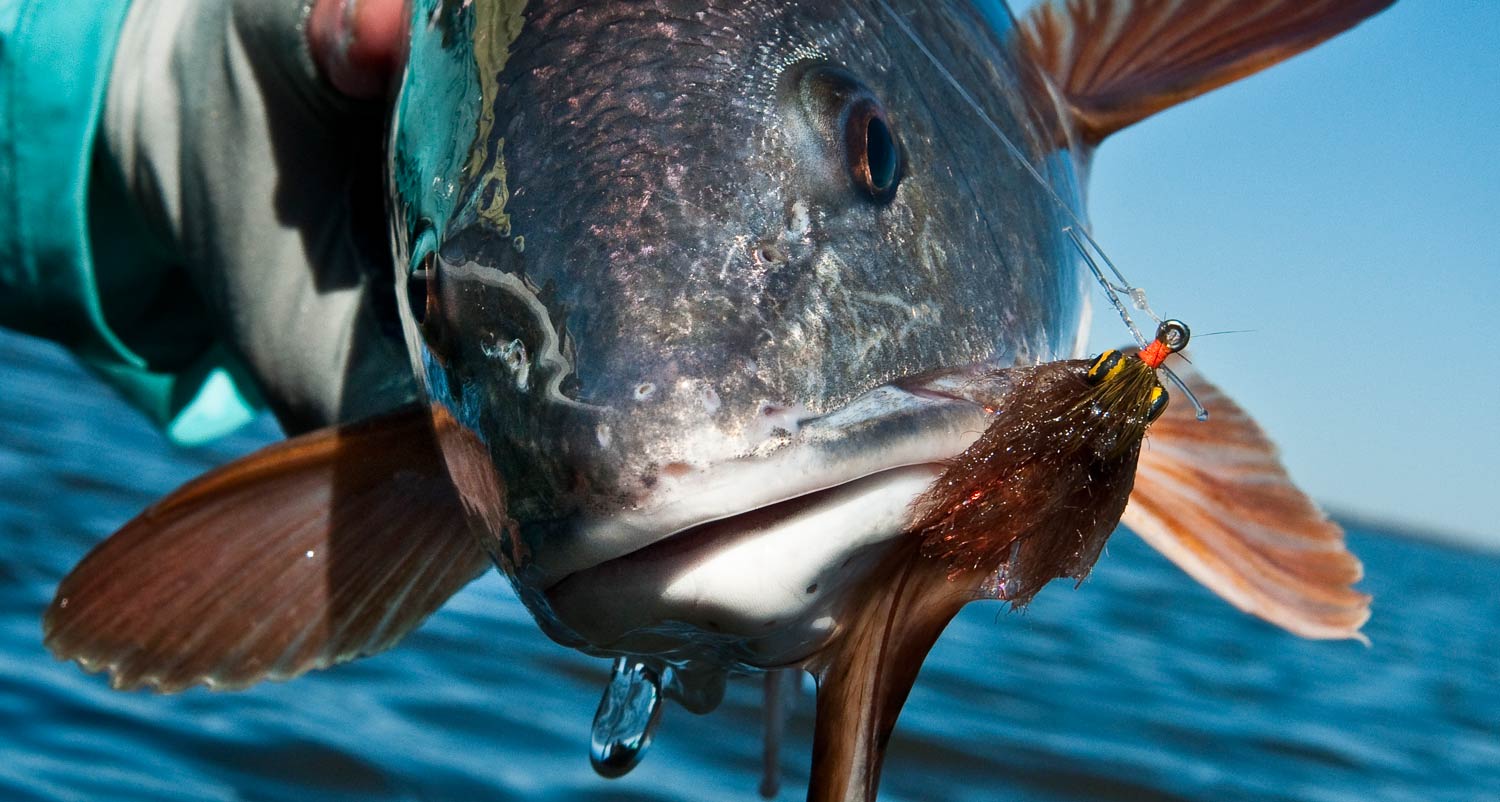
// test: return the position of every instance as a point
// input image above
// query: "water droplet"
(696, 685)
(627, 717)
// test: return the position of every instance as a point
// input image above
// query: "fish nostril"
(644, 391)
(769, 253)
(513, 355)
(777, 420)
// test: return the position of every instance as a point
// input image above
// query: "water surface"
(1138, 686)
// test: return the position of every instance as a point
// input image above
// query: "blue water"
(1138, 686)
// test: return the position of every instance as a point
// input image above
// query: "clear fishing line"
(1079, 232)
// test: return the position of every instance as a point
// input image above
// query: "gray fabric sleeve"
(266, 184)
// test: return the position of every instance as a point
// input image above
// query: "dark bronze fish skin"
(635, 288)
(694, 228)
(646, 262)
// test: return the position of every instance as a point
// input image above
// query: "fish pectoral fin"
(1117, 62)
(309, 552)
(1214, 498)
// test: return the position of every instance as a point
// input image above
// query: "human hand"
(248, 133)
(358, 44)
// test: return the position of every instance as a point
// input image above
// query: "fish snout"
(736, 529)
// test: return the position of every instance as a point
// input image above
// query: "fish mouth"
(751, 559)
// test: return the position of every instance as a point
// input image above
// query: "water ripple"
(1138, 686)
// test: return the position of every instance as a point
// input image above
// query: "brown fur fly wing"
(1037, 496)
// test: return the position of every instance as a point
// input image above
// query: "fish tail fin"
(1117, 62)
(309, 552)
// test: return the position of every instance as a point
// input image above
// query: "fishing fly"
(1041, 490)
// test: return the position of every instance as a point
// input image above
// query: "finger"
(358, 44)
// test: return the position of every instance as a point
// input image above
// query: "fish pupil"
(873, 152)
(880, 153)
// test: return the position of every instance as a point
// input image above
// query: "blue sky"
(1345, 206)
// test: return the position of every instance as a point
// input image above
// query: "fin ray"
(1120, 61)
(1214, 498)
(309, 552)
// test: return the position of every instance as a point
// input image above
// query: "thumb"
(359, 45)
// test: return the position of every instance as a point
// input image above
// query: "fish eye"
(851, 125)
(419, 288)
(422, 278)
(1174, 334)
(873, 153)
(1158, 405)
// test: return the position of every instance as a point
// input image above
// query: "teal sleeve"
(75, 266)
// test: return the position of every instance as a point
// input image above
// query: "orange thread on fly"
(1171, 337)
(1155, 354)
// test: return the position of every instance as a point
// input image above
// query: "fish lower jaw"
(760, 589)
(884, 430)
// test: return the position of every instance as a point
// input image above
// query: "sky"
(1344, 207)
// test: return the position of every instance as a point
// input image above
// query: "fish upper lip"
(925, 420)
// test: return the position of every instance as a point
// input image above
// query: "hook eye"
(1174, 334)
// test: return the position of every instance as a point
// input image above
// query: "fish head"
(702, 284)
